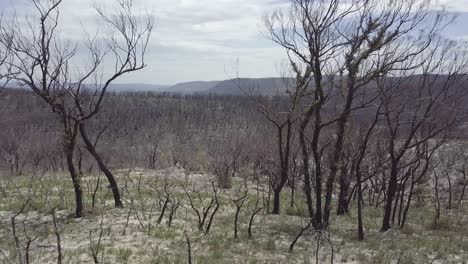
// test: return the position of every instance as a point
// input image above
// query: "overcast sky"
(203, 39)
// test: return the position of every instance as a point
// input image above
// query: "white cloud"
(455, 5)
(197, 39)
(192, 40)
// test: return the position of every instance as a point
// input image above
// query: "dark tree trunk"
(462, 195)
(284, 156)
(359, 207)
(252, 220)
(338, 148)
(395, 205)
(437, 203)
(343, 195)
(352, 196)
(408, 203)
(236, 220)
(189, 248)
(465, 183)
(449, 204)
(392, 189)
(318, 201)
(102, 166)
(69, 149)
(402, 203)
(269, 199)
(292, 184)
(305, 160)
(291, 201)
(316, 153)
(276, 202)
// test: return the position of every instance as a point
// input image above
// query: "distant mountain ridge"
(136, 87)
(239, 86)
(261, 86)
(191, 87)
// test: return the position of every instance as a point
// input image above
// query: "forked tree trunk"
(284, 156)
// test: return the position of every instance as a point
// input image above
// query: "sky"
(202, 40)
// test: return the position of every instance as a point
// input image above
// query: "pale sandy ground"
(272, 234)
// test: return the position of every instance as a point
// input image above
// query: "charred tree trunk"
(401, 204)
(359, 206)
(449, 180)
(306, 172)
(392, 189)
(317, 169)
(408, 203)
(102, 166)
(69, 149)
(292, 184)
(340, 141)
(284, 155)
(343, 195)
(395, 205)
(465, 183)
(276, 201)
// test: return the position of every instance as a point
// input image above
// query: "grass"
(420, 241)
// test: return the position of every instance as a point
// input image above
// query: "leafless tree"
(283, 116)
(307, 35)
(428, 110)
(238, 200)
(256, 209)
(53, 213)
(18, 244)
(43, 62)
(363, 142)
(6, 69)
(166, 199)
(227, 156)
(204, 210)
(341, 49)
(13, 149)
(97, 250)
(175, 203)
(189, 248)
